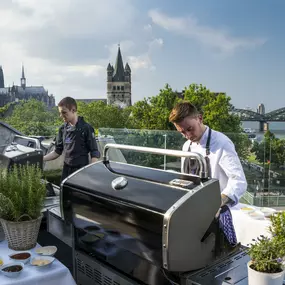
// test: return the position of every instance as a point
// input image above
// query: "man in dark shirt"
(76, 139)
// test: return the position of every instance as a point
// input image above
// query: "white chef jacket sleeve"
(184, 148)
(231, 165)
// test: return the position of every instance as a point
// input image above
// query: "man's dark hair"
(68, 102)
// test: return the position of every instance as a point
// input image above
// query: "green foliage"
(101, 115)
(22, 192)
(146, 138)
(4, 109)
(267, 254)
(242, 144)
(153, 113)
(53, 176)
(32, 118)
(270, 149)
(216, 108)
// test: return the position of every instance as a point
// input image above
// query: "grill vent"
(221, 266)
(97, 276)
(80, 266)
(108, 281)
(90, 272)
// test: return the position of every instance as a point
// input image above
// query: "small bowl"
(257, 215)
(46, 250)
(1, 261)
(42, 261)
(267, 211)
(23, 257)
(248, 210)
(12, 265)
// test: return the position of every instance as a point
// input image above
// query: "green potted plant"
(266, 266)
(22, 194)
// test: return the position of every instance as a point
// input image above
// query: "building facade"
(261, 109)
(23, 92)
(119, 85)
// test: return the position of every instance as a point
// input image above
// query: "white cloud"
(147, 28)
(218, 39)
(141, 61)
(156, 43)
(144, 61)
(66, 45)
(70, 17)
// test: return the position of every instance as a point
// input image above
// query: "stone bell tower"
(119, 86)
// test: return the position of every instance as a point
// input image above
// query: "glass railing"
(262, 160)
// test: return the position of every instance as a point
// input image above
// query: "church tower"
(23, 79)
(119, 86)
(2, 83)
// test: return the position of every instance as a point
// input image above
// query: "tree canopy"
(270, 150)
(153, 112)
(101, 115)
(32, 118)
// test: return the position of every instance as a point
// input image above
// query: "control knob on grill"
(119, 183)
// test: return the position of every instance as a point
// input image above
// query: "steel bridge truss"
(273, 116)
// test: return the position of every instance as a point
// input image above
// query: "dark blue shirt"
(76, 142)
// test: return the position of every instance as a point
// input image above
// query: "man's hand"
(93, 159)
(51, 156)
(226, 200)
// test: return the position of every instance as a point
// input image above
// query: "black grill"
(137, 225)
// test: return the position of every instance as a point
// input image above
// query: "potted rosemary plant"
(268, 255)
(22, 194)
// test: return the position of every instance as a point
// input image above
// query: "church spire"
(23, 71)
(23, 78)
(2, 85)
(119, 71)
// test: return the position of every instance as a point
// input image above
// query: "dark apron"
(191, 166)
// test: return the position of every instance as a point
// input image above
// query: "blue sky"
(235, 47)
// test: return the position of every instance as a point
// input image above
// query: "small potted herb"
(22, 194)
(268, 255)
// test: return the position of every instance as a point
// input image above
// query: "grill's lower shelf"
(230, 270)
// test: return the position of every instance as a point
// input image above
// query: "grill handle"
(203, 173)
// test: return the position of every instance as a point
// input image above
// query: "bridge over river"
(263, 119)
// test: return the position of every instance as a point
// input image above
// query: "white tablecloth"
(246, 227)
(56, 273)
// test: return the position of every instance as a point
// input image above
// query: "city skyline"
(232, 47)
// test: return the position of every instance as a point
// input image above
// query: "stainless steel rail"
(203, 172)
